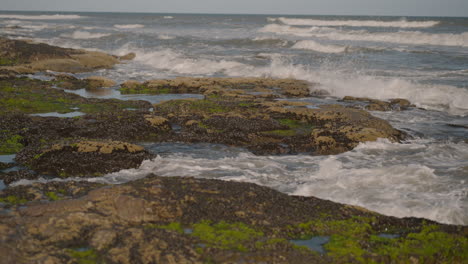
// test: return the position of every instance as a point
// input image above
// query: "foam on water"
(85, 35)
(430, 96)
(315, 46)
(400, 37)
(129, 26)
(402, 23)
(375, 175)
(42, 17)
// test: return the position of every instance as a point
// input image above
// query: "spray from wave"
(315, 46)
(129, 26)
(355, 23)
(400, 37)
(338, 83)
(85, 35)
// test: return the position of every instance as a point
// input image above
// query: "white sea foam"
(402, 23)
(400, 37)
(315, 46)
(168, 17)
(129, 26)
(339, 84)
(165, 37)
(375, 175)
(42, 17)
(85, 35)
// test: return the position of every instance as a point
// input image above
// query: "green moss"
(354, 240)
(174, 226)
(13, 200)
(7, 62)
(225, 235)
(88, 256)
(145, 90)
(52, 196)
(9, 144)
(280, 133)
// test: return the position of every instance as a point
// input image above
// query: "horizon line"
(208, 13)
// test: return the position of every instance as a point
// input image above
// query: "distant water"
(423, 59)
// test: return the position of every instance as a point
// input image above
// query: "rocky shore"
(178, 219)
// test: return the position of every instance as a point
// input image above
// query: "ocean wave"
(129, 26)
(315, 46)
(400, 37)
(42, 17)
(85, 35)
(165, 37)
(168, 17)
(403, 23)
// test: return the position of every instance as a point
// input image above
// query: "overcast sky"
(332, 7)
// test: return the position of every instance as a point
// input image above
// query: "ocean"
(422, 59)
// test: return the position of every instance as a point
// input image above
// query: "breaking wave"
(85, 35)
(315, 46)
(429, 96)
(129, 26)
(400, 37)
(403, 23)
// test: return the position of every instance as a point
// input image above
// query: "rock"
(129, 56)
(87, 158)
(232, 86)
(29, 57)
(145, 221)
(397, 104)
(99, 81)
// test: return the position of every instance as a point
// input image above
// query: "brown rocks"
(87, 158)
(99, 81)
(129, 56)
(30, 57)
(378, 105)
(144, 220)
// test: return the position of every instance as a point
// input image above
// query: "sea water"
(422, 59)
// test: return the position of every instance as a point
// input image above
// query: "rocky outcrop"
(284, 87)
(186, 220)
(28, 57)
(397, 104)
(86, 158)
(99, 81)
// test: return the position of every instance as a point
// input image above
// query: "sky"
(305, 7)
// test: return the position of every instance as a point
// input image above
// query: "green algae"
(13, 200)
(223, 235)
(88, 256)
(142, 89)
(10, 143)
(52, 196)
(354, 240)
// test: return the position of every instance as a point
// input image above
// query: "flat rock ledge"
(187, 220)
(25, 57)
(86, 158)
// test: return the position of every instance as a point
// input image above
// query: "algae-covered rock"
(285, 87)
(397, 104)
(187, 220)
(28, 57)
(87, 158)
(99, 81)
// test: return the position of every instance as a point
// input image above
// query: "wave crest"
(129, 26)
(355, 23)
(85, 35)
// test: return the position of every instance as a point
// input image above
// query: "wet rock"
(99, 81)
(230, 222)
(274, 127)
(129, 56)
(29, 57)
(86, 158)
(286, 87)
(379, 105)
